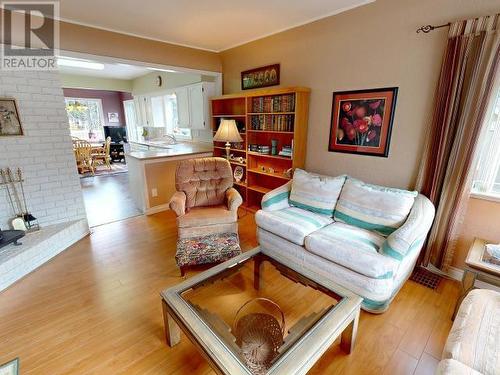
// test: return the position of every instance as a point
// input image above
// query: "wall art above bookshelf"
(273, 125)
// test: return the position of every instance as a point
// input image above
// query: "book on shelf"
(278, 103)
(281, 123)
(286, 151)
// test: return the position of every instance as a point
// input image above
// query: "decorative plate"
(238, 173)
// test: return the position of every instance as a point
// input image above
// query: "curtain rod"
(428, 28)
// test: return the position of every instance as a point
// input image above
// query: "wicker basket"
(259, 336)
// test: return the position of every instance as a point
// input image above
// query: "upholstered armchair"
(205, 201)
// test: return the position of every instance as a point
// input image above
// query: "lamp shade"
(228, 132)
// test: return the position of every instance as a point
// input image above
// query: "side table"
(477, 267)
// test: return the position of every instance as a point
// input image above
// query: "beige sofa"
(473, 345)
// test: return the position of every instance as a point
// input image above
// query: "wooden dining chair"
(83, 155)
(101, 155)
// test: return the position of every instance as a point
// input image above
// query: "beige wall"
(372, 46)
(147, 84)
(481, 220)
(95, 83)
(84, 39)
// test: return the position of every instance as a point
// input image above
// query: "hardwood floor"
(108, 199)
(95, 309)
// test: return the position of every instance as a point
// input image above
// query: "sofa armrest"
(178, 203)
(233, 199)
(412, 233)
(277, 199)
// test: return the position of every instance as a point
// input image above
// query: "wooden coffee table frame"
(342, 320)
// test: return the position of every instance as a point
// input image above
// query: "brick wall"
(44, 152)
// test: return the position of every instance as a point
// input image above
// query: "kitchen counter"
(151, 170)
(162, 150)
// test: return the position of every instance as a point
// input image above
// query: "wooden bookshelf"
(261, 116)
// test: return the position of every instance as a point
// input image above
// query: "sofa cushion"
(473, 339)
(292, 223)
(353, 248)
(315, 193)
(373, 207)
(213, 215)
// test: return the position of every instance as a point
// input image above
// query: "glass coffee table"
(260, 314)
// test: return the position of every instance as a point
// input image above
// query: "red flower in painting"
(360, 112)
(375, 105)
(377, 120)
(346, 107)
(344, 123)
(361, 126)
(350, 132)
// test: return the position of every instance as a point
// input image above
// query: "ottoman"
(214, 248)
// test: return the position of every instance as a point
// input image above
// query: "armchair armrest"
(277, 199)
(233, 199)
(178, 203)
(411, 235)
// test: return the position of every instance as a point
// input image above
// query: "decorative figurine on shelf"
(274, 147)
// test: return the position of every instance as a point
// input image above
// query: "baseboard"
(156, 209)
(455, 273)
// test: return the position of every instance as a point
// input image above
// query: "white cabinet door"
(197, 106)
(183, 117)
(143, 111)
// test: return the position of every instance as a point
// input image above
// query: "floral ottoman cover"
(213, 248)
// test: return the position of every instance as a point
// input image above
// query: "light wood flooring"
(95, 309)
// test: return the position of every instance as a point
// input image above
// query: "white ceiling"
(213, 25)
(111, 70)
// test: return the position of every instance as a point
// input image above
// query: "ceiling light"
(162, 70)
(74, 63)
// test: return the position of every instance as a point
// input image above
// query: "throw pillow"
(314, 192)
(373, 207)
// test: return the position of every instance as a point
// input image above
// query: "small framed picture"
(113, 117)
(361, 121)
(261, 77)
(10, 368)
(10, 123)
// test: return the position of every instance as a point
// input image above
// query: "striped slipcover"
(315, 193)
(277, 199)
(373, 207)
(473, 341)
(354, 248)
(291, 223)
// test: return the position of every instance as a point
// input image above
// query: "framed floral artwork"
(361, 121)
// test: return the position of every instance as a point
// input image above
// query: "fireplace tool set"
(13, 182)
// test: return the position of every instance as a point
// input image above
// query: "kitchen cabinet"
(183, 118)
(193, 105)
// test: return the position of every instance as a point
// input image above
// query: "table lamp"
(228, 132)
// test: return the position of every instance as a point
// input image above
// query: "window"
(86, 118)
(487, 175)
(159, 112)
